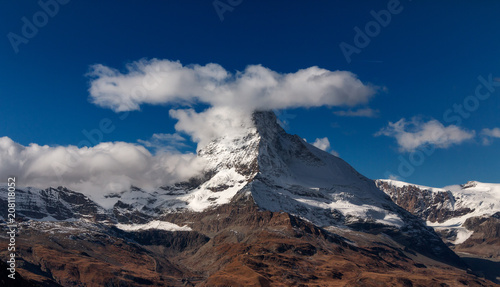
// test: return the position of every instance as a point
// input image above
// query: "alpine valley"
(268, 210)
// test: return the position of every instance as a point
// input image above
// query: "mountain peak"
(264, 117)
(241, 150)
(282, 172)
(266, 122)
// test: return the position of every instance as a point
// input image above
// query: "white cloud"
(106, 167)
(231, 97)
(488, 134)
(212, 123)
(364, 112)
(324, 144)
(412, 134)
(255, 88)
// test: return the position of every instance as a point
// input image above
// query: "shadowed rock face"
(270, 210)
(176, 241)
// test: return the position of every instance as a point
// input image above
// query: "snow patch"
(462, 235)
(155, 224)
(220, 189)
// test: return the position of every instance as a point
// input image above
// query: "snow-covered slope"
(301, 179)
(483, 198)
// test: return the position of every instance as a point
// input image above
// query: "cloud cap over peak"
(257, 87)
(231, 97)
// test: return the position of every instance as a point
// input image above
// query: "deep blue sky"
(428, 58)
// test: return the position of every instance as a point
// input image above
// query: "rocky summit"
(268, 210)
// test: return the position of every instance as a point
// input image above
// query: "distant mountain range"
(466, 216)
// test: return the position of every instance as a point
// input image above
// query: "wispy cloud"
(364, 112)
(394, 177)
(172, 142)
(415, 133)
(489, 134)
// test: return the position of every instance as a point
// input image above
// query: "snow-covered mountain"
(264, 164)
(262, 190)
(279, 171)
(461, 213)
